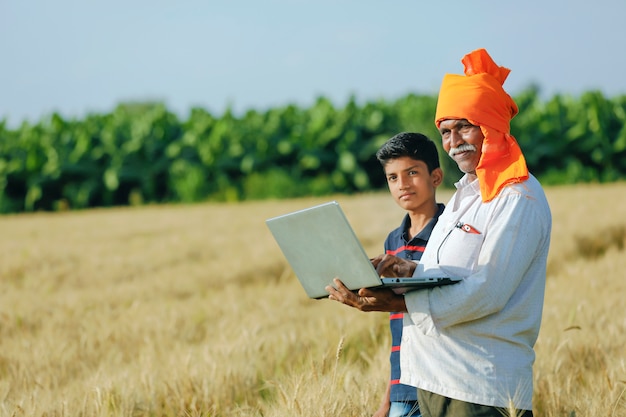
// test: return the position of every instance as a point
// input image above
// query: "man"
(411, 165)
(468, 347)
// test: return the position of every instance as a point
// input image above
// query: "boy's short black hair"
(413, 145)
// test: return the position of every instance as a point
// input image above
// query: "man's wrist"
(401, 304)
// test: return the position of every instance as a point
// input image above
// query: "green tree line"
(142, 153)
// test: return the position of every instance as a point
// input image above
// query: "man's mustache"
(466, 147)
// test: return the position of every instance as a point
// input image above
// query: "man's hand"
(392, 266)
(367, 299)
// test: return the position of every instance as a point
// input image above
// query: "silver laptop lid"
(319, 244)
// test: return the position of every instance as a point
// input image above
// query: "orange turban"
(478, 96)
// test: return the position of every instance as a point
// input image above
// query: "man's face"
(463, 142)
(410, 183)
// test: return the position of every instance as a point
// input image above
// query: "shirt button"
(408, 255)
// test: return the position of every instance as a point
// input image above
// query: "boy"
(411, 165)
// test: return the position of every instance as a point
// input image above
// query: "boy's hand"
(392, 266)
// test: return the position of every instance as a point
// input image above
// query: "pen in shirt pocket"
(467, 228)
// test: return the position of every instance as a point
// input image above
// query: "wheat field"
(192, 311)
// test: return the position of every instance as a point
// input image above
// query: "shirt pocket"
(458, 253)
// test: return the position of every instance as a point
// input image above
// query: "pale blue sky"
(80, 56)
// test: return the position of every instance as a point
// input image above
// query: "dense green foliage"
(142, 153)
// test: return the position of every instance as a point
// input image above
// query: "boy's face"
(410, 183)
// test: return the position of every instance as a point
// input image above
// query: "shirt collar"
(424, 234)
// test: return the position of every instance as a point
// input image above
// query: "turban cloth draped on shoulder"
(479, 97)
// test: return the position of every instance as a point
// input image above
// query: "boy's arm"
(383, 410)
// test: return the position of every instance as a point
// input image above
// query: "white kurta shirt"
(473, 341)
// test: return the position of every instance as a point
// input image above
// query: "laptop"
(319, 245)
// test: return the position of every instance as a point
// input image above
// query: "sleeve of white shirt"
(512, 239)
